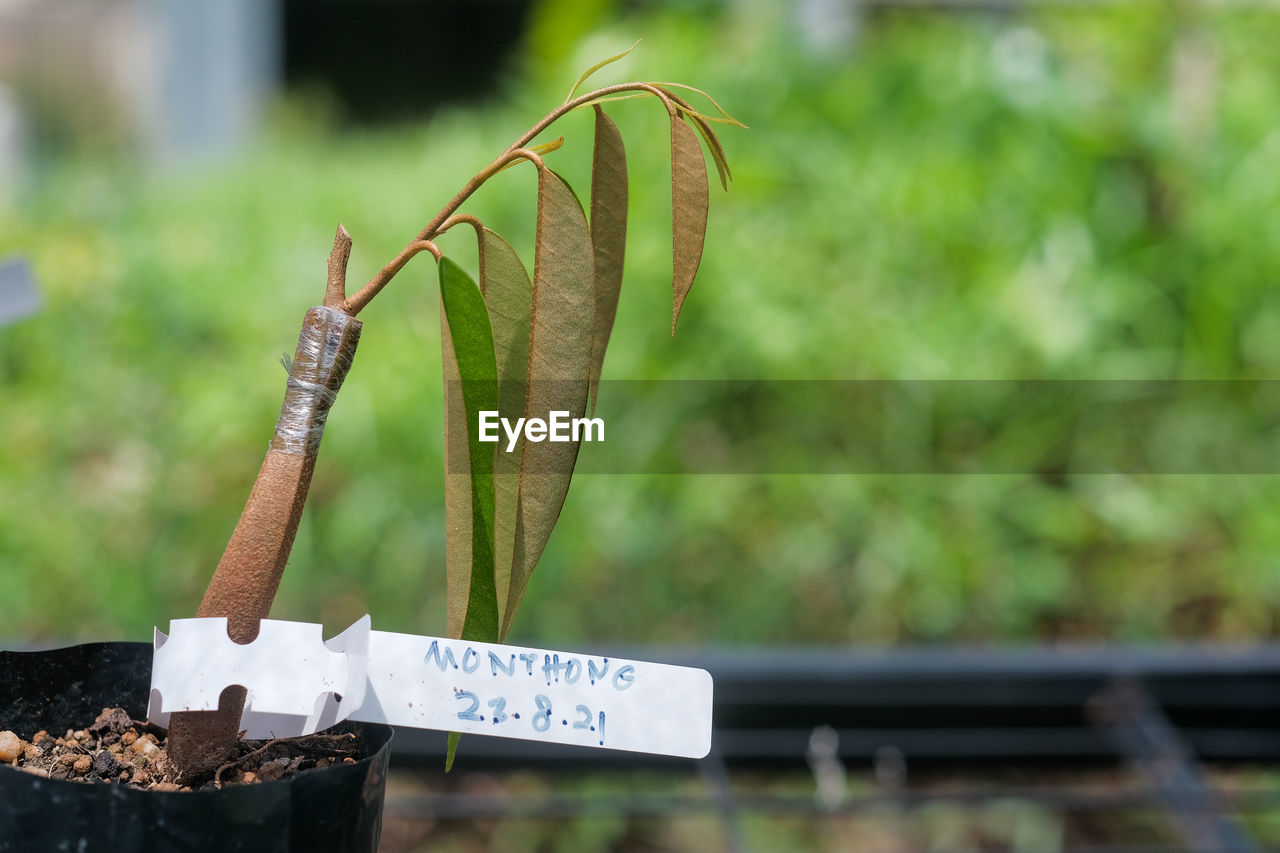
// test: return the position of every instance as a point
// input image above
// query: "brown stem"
(462, 219)
(356, 303)
(353, 305)
(515, 151)
(248, 575)
(335, 289)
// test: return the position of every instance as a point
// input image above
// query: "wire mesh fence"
(1037, 750)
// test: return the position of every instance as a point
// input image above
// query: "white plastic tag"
(295, 681)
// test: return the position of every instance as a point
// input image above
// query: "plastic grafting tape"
(320, 364)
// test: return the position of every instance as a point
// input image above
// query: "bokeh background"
(926, 191)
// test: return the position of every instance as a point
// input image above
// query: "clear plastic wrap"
(326, 346)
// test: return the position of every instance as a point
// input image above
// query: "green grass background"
(1058, 193)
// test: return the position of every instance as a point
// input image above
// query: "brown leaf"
(457, 488)
(689, 202)
(509, 295)
(708, 136)
(717, 150)
(608, 236)
(559, 364)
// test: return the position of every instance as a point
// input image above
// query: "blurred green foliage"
(1058, 193)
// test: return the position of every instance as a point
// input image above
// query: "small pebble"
(10, 747)
(83, 764)
(39, 736)
(80, 735)
(111, 722)
(164, 786)
(128, 737)
(273, 770)
(146, 746)
(104, 764)
(348, 760)
(31, 752)
(249, 777)
(67, 758)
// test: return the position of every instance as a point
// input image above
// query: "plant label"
(298, 684)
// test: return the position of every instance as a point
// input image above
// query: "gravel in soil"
(117, 749)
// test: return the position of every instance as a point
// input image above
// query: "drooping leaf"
(708, 135)
(608, 236)
(509, 294)
(559, 363)
(689, 202)
(717, 150)
(593, 69)
(457, 488)
(470, 385)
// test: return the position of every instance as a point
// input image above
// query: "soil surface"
(118, 749)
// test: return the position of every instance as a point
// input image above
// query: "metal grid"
(1168, 748)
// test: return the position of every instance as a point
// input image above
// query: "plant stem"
(335, 289)
(516, 150)
(245, 582)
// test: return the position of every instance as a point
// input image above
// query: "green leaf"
(559, 364)
(470, 386)
(689, 202)
(593, 69)
(509, 295)
(452, 753)
(608, 236)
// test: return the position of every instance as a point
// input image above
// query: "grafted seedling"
(520, 345)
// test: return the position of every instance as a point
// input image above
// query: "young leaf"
(470, 382)
(717, 150)
(724, 117)
(689, 201)
(593, 69)
(708, 136)
(559, 362)
(509, 295)
(541, 149)
(608, 236)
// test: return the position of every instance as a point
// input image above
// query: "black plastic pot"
(338, 808)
